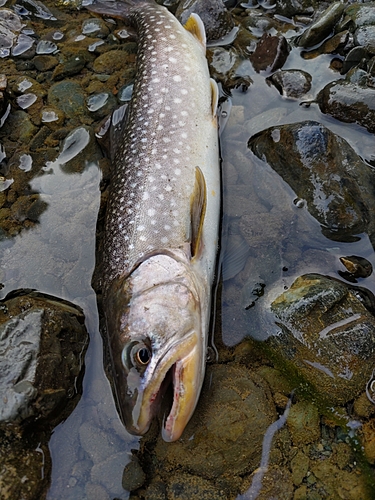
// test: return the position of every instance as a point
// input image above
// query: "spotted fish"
(161, 231)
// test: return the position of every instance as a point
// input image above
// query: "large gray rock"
(42, 341)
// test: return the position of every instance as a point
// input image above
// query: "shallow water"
(91, 448)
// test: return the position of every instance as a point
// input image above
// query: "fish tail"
(121, 10)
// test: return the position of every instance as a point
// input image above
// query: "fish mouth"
(184, 361)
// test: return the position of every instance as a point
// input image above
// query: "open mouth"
(179, 374)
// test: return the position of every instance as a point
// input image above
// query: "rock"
(21, 466)
(270, 54)
(39, 372)
(133, 476)
(114, 60)
(363, 407)
(323, 26)
(69, 97)
(368, 440)
(225, 435)
(327, 334)
(45, 62)
(185, 487)
(349, 101)
(216, 18)
(340, 483)
(337, 194)
(44, 339)
(299, 465)
(290, 8)
(303, 423)
(291, 83)
(19, 127)
(356, 267)
(276, 483)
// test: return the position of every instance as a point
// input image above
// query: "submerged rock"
(323, 26)
(291, 83)
(327, 334)
(270, 54)
(42, 342)
(323, 170)
(225, 435)
(350, 100)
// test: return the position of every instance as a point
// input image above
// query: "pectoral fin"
(196, 27)
(197, 211)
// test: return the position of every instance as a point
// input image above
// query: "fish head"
(155, 329)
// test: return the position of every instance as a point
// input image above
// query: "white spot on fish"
(164, 239)
(177, 78)
(166, 139)
(140, 228)
(167, 227)
(183, 91)
(172, 60)
(177, 171)
(151, 212)
(145, 196)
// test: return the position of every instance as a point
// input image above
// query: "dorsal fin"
(195, 26)
(197, 211)
(214, 96)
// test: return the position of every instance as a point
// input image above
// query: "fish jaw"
(157, 308)
(185, 361)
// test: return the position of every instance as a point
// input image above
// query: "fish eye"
(140, 355)
(143, 356)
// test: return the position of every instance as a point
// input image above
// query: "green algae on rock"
(327, 334)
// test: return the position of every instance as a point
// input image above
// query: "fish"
(161, 232)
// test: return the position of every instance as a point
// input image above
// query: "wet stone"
(114, 60)
(225, 434)
(327, 334)
(45, 366)
(323, 26)
(270, 54)
(303, 423)
(337, 196)
(19, 127)
(69, 97)
(133, 476)
(291, 83)
(276, 483)
(186, 487)
(300, 466)
(349, 101)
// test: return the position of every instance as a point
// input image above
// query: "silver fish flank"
(162, 222)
